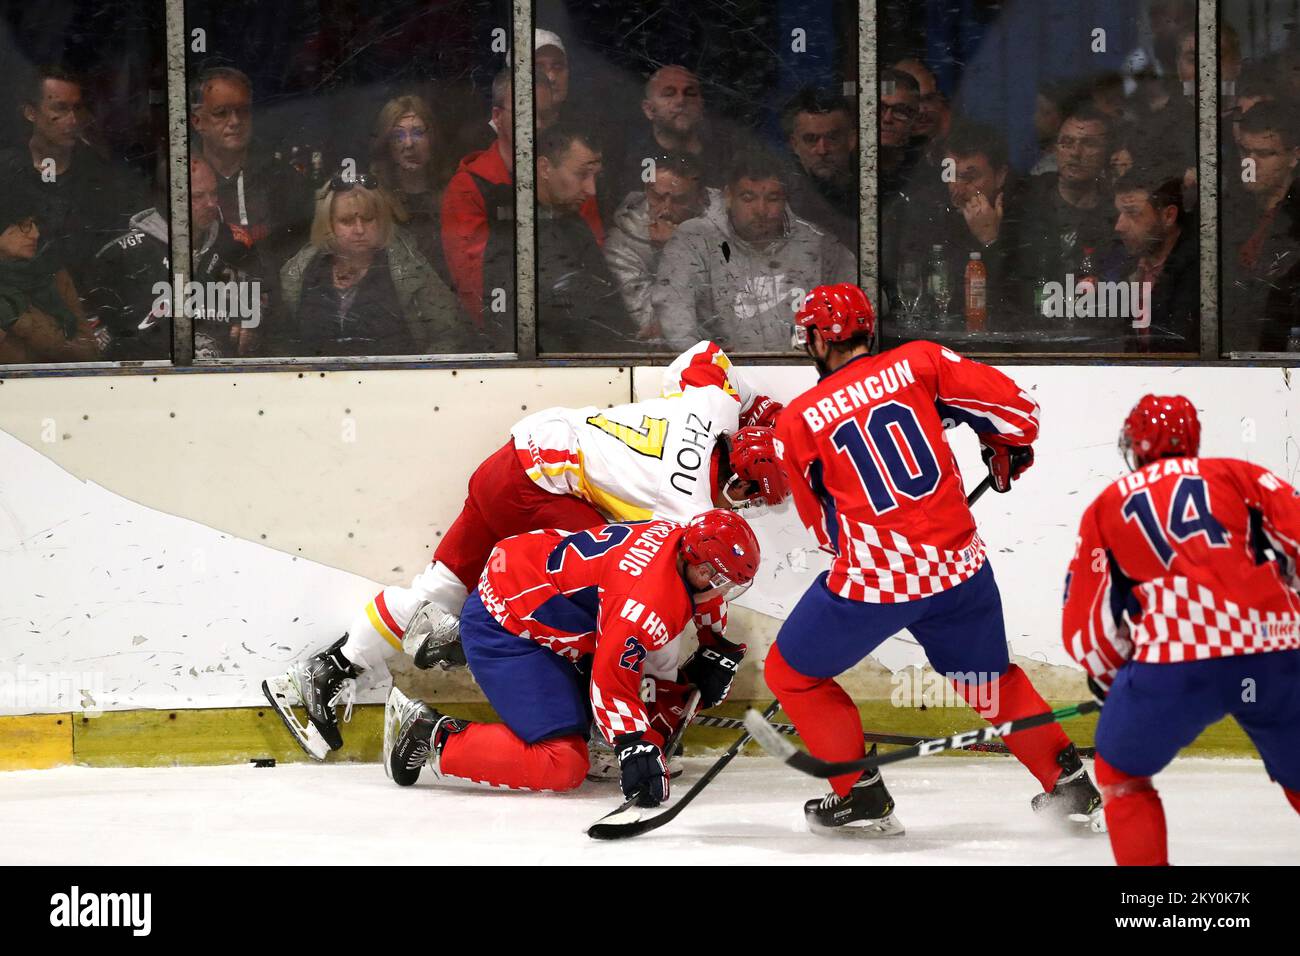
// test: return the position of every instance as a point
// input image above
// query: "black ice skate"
(868, 810)
(1074, 798)
(318, 684)
(432, 638)
(414, 735)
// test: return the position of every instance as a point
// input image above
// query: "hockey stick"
(978, 493)
(627, 820)
(783, 750)
(870, 736)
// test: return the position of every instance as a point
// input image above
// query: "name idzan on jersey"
(693, 454)
(1153, 472)
(648, 543)
(846, 400)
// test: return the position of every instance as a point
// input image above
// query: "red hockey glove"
(644, 770)
(1006, 463)
(667, 706)
(762, 412)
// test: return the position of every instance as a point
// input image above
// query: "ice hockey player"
(875, 481)
(706, 442)
(544, 600)
(1181, 605)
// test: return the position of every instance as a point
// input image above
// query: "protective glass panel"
(696, 170)
(1037, 175)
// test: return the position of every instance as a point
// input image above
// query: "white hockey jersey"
(645, 459)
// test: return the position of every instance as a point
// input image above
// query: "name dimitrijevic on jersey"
(77, 909)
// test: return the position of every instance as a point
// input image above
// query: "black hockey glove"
(1097, 691)
(1006, 463)
(644, 770)
(712, 668)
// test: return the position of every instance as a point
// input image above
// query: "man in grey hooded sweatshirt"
(643, 224)
(736, 274)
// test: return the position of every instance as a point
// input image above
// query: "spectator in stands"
(580, 307)
(1066, 213)
(644, 224)
(900, 99)
(821, 130)
(1260, 242)
(82, 201)
(403, 161)
(673, 107)
(360, 287)
(121, 296)
(933, 117)
(41, 319)
(550, 64)
(972, 216)
(1049, 110)
(734, 276)
(263, 200)
(478, 228)
(1163, 257)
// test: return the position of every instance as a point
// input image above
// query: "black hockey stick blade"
(775, 744)
(629, 821)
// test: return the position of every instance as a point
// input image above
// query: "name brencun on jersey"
(210, 301)
(843, 401)
(75, 909)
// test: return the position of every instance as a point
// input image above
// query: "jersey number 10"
(1189, 515)
(891, 437)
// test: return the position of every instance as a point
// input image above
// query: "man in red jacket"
(478, 228)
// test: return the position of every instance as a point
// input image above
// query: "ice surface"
(957, 811)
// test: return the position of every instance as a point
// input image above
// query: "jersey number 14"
(1189, 515)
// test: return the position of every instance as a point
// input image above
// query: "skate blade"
(392, 721)
(862, 829)
(282, 695)
(1094, 822)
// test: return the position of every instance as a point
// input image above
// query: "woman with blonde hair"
(403, 161)
(360, 287)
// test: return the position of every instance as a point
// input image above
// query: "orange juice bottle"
(977, 297)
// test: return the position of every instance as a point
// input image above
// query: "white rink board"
(1249, 413)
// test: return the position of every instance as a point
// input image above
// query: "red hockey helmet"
(838, 312)
(723, 541)
(1159, 426)
(754, 462)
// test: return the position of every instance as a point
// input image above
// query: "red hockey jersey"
(613, 591)
(874, 478)
(1184, 559)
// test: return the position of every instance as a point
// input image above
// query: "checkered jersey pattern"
(879, 566)
(1184, 621)
(615, 717)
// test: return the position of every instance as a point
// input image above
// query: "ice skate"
(1074, 798)
(868, 810)
(317, 684)
(432, 638)
(414, 734)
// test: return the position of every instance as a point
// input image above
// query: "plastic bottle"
(977, 300)
(937, 283)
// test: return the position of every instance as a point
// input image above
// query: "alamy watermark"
(1073, 299)
(26, 691)
(210, 301)
(912, 687)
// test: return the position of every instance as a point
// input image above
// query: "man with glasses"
(900, 107)
(1068, 212)
(263, 200)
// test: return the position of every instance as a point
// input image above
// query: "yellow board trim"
(35, 742)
